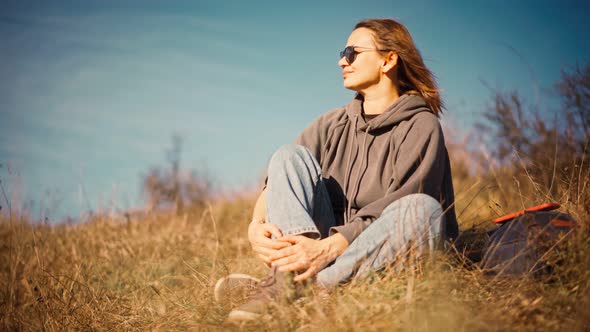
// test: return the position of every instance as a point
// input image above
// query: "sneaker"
(277, 287)
(235, 285)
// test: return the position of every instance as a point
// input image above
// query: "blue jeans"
(297, 202)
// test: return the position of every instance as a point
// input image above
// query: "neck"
(378, 97)
(377, 102)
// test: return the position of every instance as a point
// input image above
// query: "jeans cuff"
(302, 230)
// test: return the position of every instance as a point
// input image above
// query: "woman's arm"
(259, 214)
(260, 232)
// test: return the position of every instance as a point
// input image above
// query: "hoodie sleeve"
(419, 167)
(315, 136)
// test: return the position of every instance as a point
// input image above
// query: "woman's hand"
(305, 254)
(259, 235)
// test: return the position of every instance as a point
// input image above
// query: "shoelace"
(267, 281)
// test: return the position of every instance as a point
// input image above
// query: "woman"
(362, 184)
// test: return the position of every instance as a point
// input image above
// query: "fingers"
(284, 252)
(261, 236)
(293, 239)
(273, 230)
(285, 261)
(264, 229)
(269, 243)
(305, 275)
(265, 259)
(300, 264)
(264, 251)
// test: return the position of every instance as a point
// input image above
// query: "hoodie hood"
(405, 107)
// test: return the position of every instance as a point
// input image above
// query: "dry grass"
(155, 272)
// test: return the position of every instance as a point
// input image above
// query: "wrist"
(336, 245)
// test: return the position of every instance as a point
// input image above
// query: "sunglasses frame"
(350, 52)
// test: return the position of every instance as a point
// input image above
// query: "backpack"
(524, 240)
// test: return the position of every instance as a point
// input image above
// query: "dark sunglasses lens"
(349, 54)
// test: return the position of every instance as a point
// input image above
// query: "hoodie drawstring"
(357, 182)
(348, 174)
(349, 170)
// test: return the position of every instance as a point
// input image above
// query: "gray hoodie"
(368, 165)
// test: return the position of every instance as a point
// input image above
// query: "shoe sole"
(232, 282)
(239, 316)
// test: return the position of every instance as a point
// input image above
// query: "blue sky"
(92, 91)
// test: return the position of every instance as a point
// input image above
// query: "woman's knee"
(415, 208)
(415, 216)
(289, 154)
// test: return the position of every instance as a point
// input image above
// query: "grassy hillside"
(156, 272)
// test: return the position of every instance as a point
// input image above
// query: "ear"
(389, 62)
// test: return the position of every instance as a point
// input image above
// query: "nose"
(342, 62)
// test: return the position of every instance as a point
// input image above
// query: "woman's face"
(365, 70)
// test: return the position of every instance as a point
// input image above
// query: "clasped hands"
(296, 252)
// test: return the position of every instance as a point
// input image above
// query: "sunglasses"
(350, 52)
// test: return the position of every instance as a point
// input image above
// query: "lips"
(345, 73)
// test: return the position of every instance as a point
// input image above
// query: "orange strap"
(542, 207)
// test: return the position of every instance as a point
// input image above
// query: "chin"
(350, 85)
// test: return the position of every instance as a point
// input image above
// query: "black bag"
(521, 245)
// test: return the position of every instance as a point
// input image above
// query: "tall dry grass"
(156, 272)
